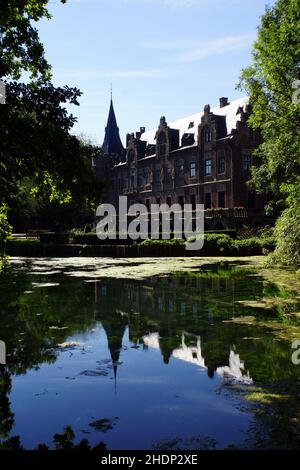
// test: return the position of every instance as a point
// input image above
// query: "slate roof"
(112, 142)
(189, 124)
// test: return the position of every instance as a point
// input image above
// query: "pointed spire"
(112, 143)
(115, 329)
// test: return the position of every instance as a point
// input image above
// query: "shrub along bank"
(214, 245)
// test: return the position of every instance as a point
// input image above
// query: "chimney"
(206, 109)
(224, 102)
(142, 130)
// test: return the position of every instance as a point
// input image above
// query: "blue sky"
(164, 57)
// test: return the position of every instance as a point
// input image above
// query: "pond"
(196, 359)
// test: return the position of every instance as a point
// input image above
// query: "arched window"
(161, 147)
(207, 135)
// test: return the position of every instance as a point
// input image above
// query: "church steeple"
(112, 143)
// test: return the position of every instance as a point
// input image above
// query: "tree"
(271, 81)
(39, 145)
(5, 231)
(35, 126)
(20, 48)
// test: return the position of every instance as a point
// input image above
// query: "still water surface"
(161, 363)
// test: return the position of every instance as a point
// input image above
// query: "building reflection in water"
(182, 323)
(235, 369)
(193, 354)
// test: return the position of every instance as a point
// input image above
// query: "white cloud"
(193, 51)
(216, 47)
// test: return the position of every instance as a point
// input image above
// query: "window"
(157, 176)
(221, 199)
(132, 181)
(146, 175)
(181, 201)
(181, 169)
(140, 178)
(247, 161)
(192, 170)
(221, 163)
(208, 167)
(158, 201)
(207, 201)
(169, 175)
(193, 201)
(169, 201)
(207, 135)
(161, 145)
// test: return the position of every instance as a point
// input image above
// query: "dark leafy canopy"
(34, 123)
(269, 82)
(38, 144)
(20, 48)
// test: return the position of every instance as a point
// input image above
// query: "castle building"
(204, 158)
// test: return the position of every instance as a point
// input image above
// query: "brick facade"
(204, 158)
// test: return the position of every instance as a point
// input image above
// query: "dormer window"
(150, 150)
(207, 135)
(187, 139)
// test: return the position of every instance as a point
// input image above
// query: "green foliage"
(287, 233)
(173, 241)
(12, 444)
(6, 415)
(269, 82)
(246, 231)
(37, 149)
(254, 246)
(40, 147)
(20, 47)
(5, 231)
(221, 243)
(28, 211)
(62, 442)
